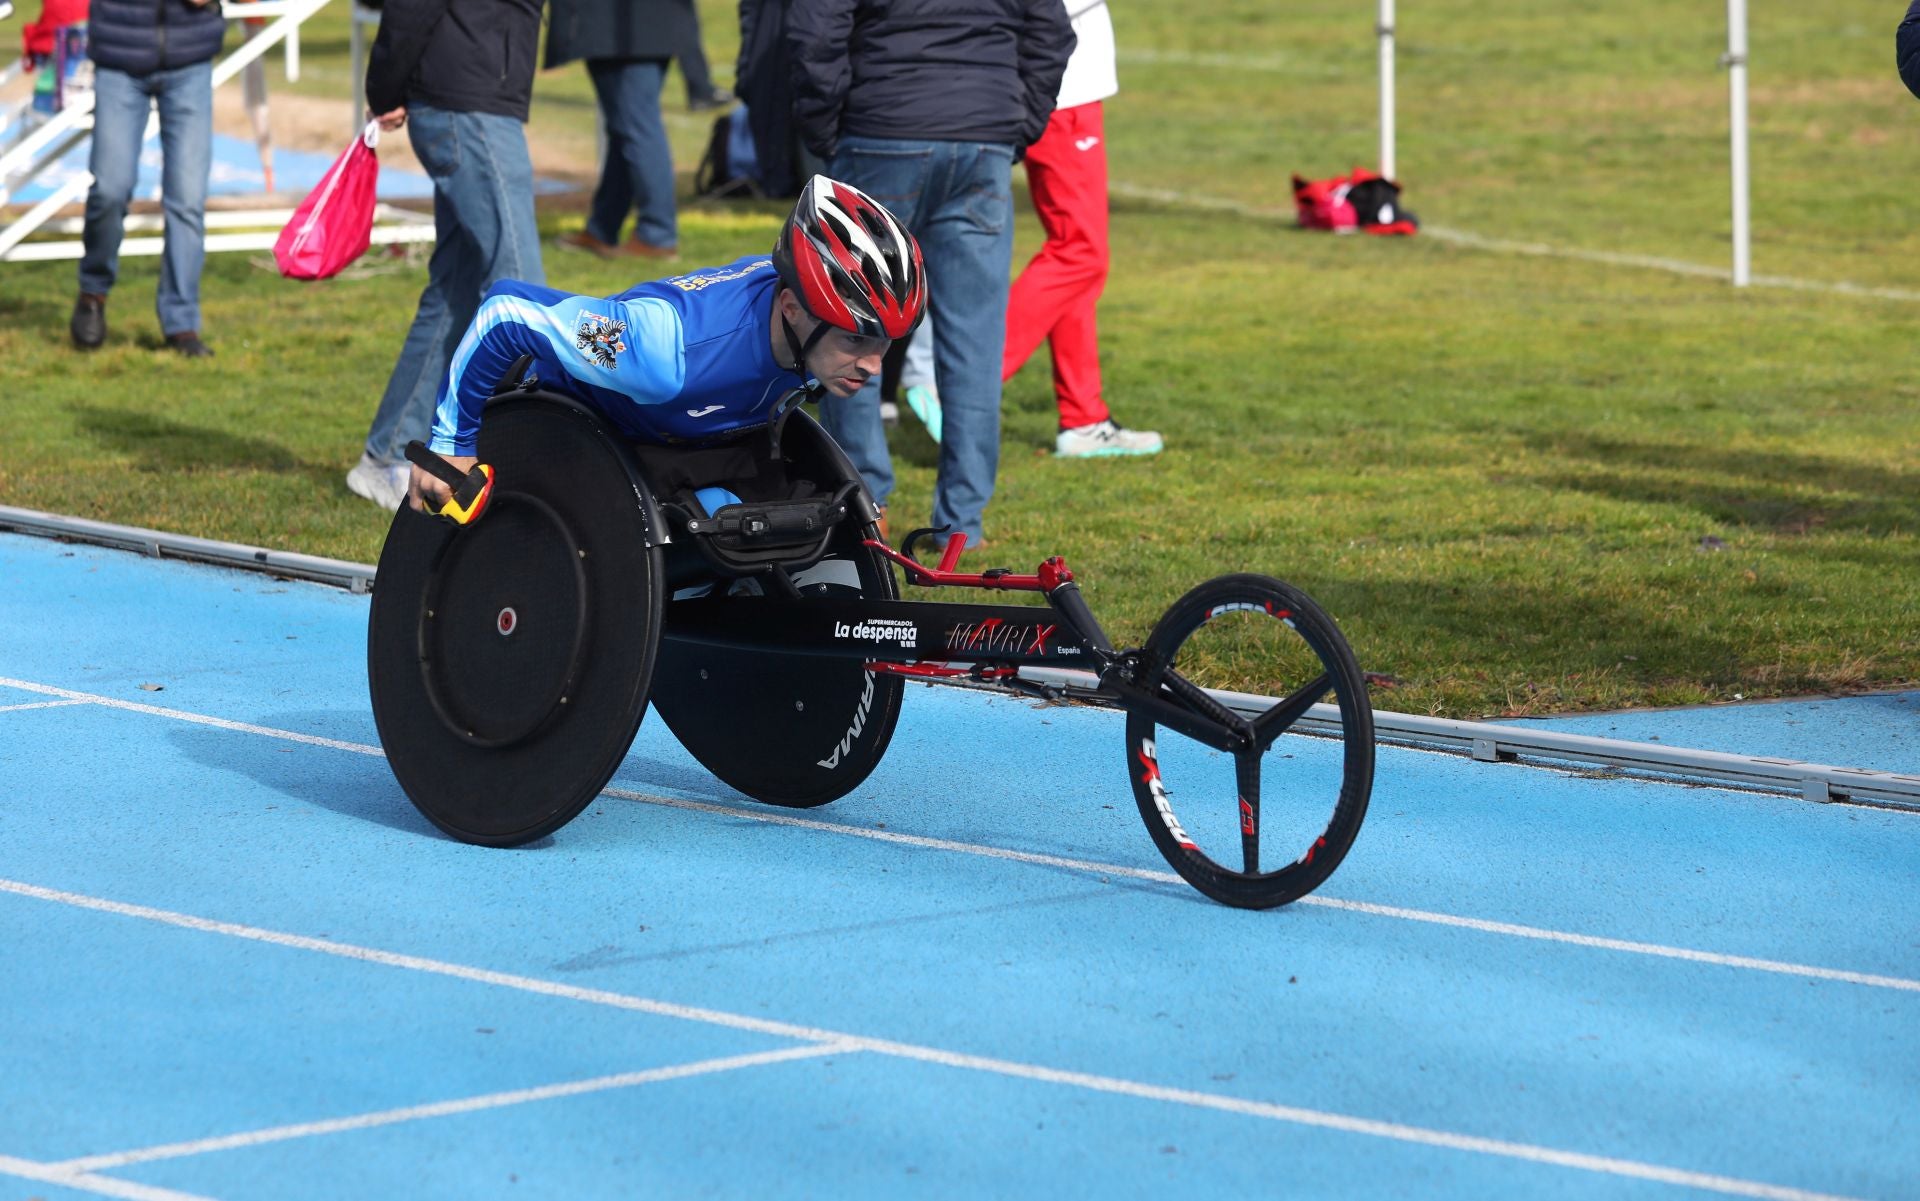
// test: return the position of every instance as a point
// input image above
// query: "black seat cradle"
(787, 729)
(510, 662)
(795, 487)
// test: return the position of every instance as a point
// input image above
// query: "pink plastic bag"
(334, 225)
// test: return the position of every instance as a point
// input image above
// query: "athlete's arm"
(616, 351)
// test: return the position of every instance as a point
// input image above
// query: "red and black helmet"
(851, 262)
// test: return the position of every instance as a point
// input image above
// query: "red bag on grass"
(1364, 200)
(334, 225)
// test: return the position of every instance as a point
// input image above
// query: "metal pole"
(357, 65)
(1736, 61)
(1385, 29)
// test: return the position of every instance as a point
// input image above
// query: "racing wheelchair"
(742, 588)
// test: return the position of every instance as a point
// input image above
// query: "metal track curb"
(1484, 741)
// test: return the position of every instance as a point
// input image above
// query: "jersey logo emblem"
(1086, 143)
(705, 411)
(601, 337)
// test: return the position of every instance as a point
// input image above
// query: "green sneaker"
(925, 403)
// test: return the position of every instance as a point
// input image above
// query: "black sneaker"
(89, 324)
(188, 343)
(709, 102)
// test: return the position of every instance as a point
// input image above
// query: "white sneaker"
(889, 413)
(385, 484)
(1104, 438)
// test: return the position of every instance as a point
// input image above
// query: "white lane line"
(199, 719)
(1509, 929)
(440, 1109)
(324, 946)
(1605, 1165)
(41, 705)
(1089, 866)
(106, 1186)
(1619, 944)
(1426, 1136)
(1460, 237)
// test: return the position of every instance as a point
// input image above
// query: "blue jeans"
(484, 232)
(957, 198)
(638, 172)
(121, 103)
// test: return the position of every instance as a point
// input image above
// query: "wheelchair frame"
(780, 631)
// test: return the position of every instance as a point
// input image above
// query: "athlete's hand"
(425, 492)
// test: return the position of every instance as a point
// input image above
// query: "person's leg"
(917, 367)
(613, 194)
(967, 237)
(637, 145)
(185, 97)
(918, 386)
(692, 57)
(1055, 297)
(120, 108)
(414, 386)
(492, 198)
(894, 173)
(491, 190)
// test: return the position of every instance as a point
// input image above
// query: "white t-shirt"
(1090, 72)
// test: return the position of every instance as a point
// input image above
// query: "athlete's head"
(855, 281)
(851, 263)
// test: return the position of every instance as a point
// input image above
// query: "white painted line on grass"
(441, 1109)
(1092, 867)
(839, 1040)
(1174, 198)
(41, 705)
(1278, 64)
(105, 1186)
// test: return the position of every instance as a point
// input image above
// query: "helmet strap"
(801, 349)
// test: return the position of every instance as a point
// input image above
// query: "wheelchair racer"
(695, 356)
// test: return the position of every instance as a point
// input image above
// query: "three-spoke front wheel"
(1264, 818)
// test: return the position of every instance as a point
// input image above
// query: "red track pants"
(1053, 300)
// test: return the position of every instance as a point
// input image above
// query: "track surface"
(238, 965)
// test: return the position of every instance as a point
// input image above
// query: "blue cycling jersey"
(680, 359)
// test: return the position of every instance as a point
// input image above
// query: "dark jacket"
(934, 70)
(1907, 48)
(619, 29)
(761, 82)
(144, 36)
(465, 56)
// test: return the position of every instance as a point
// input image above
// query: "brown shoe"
(635, 248)
(582, 240)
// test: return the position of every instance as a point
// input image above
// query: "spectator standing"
(459, 75)
(761, 80)
(627, 45)
(924, 104)
(1055, 297)
(698, 76)
(149, 53)
(1907, 48)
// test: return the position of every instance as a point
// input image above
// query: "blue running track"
(237, 965)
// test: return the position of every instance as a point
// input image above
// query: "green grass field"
(1521, 483)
